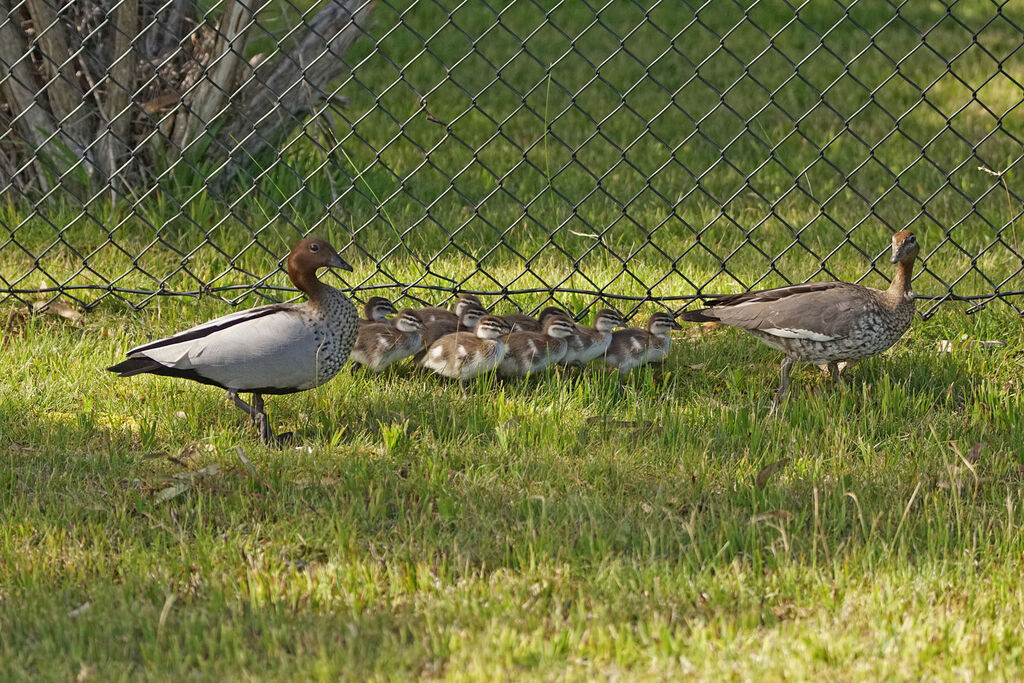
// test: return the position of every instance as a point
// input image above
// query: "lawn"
(567, 526)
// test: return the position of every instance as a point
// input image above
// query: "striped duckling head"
(607, 319)
(470, 315)
(492, 327)
(559, 326)
(467, 301)
(408, 321)
(377, 309)
(662, 323)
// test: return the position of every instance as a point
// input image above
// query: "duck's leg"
(787, 363)
(267, 435)
(833, 367)
(258, 414)
(262, 421)
(242, 405)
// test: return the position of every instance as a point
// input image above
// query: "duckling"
(574, 343)
(468, 320)
(376, 310)
(381, 344)
(553, 310)
(632, 347)
(522, 323)
(531, 352)
(469, 317)
(435, 314)
(591, 343)
(464, 355)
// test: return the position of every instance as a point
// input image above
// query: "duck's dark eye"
(314, 247)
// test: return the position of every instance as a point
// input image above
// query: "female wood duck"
(824, 323)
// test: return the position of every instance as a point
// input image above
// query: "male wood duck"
(273, 349)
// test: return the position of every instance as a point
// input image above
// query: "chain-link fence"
(620, 150)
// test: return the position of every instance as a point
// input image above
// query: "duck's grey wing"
(217, 324)
(820, 311)
(270, 348)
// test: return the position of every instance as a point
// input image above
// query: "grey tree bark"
(94, 91)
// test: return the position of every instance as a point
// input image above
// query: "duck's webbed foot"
(267, 435)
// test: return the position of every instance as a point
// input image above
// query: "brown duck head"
(308, 256)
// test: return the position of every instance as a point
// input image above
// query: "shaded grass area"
(707, 150)
(560, 526)
(564, 526)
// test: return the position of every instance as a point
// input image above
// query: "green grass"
(565, 526)
(554, 527)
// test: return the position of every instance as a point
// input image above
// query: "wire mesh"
(573, 151)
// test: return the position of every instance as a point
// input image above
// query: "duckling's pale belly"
(642, 349)
(591, 349)
(464, 360)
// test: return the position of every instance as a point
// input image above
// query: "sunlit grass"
(562, 525)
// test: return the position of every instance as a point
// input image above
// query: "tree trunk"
(113, 143)
(284, 91)
(31, 120)
(108, 86)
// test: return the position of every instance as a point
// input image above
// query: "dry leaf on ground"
(768, 470)
(59, 308)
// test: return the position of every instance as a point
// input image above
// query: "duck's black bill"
(337, 262)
